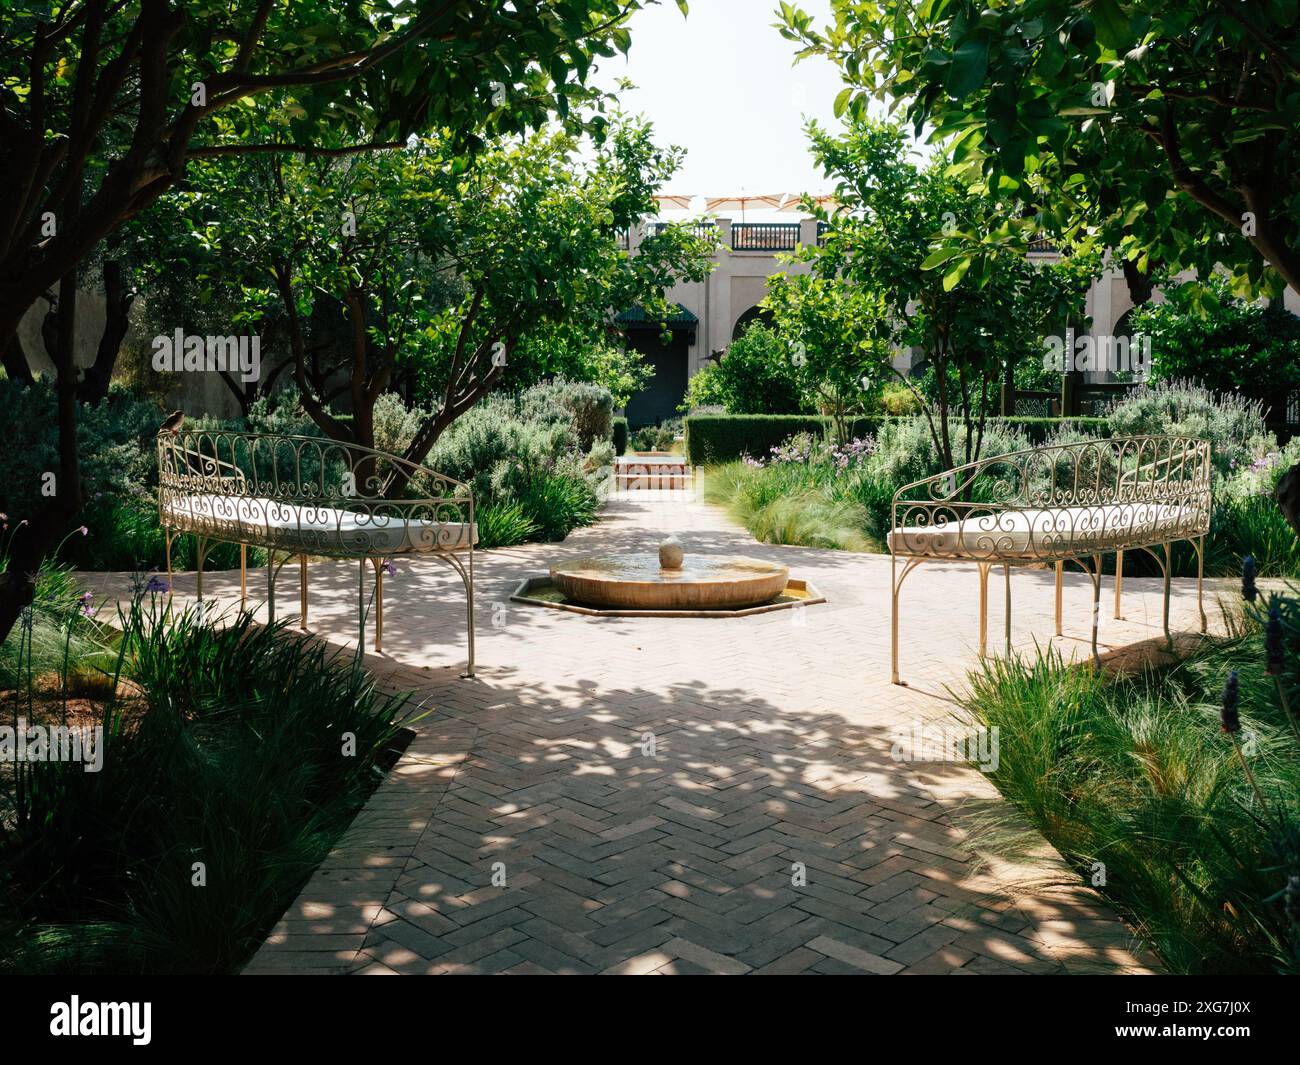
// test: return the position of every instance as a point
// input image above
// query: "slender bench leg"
(200, 550)
(243, 576)
(302, 592)
(897, 587)
(361, 606)
(1119, 581)
(270, 586)
(1096, 608)
(167, 545)
(984, 568)
(469, 611)
(1006, 575)
(379, 603)
(1169, 640)
(893, 619)
(1060, 571)
(1200, 579)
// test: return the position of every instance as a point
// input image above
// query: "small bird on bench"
(172, 423)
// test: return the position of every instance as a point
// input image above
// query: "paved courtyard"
(688, 795)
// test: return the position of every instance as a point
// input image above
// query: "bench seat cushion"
(1059, 532)
(326, 530)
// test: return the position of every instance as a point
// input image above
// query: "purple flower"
(87, 602)
(84, 531)
(389, 567)
(156, 584)
(1229, 718)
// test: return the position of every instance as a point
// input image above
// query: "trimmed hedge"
(620, 436)
(717, 438)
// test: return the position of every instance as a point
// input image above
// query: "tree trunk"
(30, 544)
(14, 360)
(94, 385)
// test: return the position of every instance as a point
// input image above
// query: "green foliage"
(447, 277)
(781, 508)
(620, 435)
(807, 499)
(712, 439)
(1233, 423)
(119, 477)
(1250, 525)
(1203, 334)
(719, 438)
(657, 437)
(523, 457)
(1136, 775)
(61, 639)
(395, 423)
(1132, 121)
(834, 332)
(896, 269)
(230, 754)
(504, 524)
(757, 375)
(905, 448)
(579, 354)
(897, 400)
(589, 407)
(558, 503)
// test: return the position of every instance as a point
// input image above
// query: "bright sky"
(721, 83)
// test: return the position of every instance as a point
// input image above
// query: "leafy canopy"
(1167, 131)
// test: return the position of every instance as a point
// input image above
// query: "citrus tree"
(103, 105)
(1168, 131)
(895, 268)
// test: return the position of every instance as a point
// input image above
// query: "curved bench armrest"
(1164, 471)
(300, 470)
(1130, 457)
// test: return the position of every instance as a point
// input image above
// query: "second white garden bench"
(1063, 503)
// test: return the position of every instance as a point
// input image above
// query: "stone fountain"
(670, 582)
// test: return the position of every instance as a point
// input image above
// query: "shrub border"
(717, 438)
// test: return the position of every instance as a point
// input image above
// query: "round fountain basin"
(636, 582)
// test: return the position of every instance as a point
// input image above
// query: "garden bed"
(1188, 829)
(234, 756)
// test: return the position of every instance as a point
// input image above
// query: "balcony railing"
(1043, 246)
(764, 236)
(707, 230)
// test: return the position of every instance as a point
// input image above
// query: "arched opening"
(754, 314)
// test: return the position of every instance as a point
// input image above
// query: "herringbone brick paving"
(688, 795)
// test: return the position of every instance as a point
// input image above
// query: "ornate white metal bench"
(300, 496)
(1064, 503)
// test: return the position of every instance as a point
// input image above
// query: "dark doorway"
(664, 392)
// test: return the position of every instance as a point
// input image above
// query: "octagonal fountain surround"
(671, 581)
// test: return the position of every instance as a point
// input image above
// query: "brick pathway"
(688, 795)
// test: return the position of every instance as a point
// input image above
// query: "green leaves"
(1063, 103)
(955, 271)
(1112, 25)
(970, 63)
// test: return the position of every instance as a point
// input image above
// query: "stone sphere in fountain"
(670, 553)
